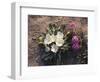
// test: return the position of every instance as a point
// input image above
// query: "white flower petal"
(54, 48)
(47, 40)
(59, 39)
(53, 38)
(59, 42)
(59, 35)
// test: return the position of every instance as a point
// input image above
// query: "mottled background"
(38, 24)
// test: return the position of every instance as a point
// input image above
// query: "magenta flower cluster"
(75, 39)
(72, 25)
(75, 42)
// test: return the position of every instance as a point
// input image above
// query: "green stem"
(58, 58)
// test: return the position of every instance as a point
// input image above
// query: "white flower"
(47, 40)
(59, 42)
(59, 35)
(53, 38)
(59, 39)
(54, 48)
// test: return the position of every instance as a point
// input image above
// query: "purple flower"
(75, 42)
(75, 39)
(75, 46)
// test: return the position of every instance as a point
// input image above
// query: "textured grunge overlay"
(38, 24)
